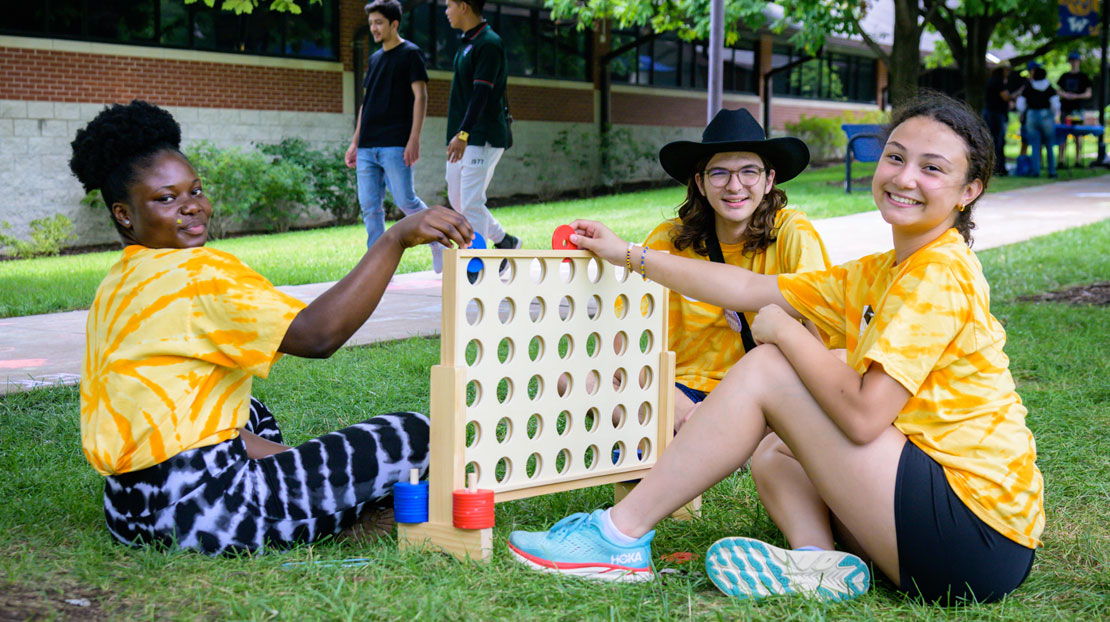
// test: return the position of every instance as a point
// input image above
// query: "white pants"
(467, 180)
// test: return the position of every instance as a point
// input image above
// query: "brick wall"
(527, 102)
(69, 77)
(352, 16)
(643, 108)
(660, 109)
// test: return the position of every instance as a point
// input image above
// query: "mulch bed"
(20, 603)
(1094, 294)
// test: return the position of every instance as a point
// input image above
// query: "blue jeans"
(380, 168)
(1041, 127)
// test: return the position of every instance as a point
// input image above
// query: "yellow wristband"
(463, 136)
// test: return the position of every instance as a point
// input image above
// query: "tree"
(814, 20)
(967, 27)
(971, 27)
(248, 6)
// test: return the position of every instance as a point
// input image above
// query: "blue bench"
(865, 144)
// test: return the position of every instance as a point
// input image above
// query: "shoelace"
(564, 527)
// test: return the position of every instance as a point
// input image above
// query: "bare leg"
(683, 408)
(789, 497)
(855, 481)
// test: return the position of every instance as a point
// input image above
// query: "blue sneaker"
(577, 546)
(748, 568)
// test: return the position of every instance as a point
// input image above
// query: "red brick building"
(238, 80)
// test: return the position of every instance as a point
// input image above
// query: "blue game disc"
(475, 265)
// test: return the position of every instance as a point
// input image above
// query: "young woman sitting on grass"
(174, 336)
(734, 213)
(913, 454)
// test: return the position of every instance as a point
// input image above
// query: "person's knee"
(767, 457)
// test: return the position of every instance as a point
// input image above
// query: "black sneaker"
(509, 242)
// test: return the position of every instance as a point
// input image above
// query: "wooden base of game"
(687, 512)
(475, 544)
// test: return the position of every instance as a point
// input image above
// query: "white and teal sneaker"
(748, 568)
(577, 546)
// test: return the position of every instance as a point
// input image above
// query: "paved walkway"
(43, 350)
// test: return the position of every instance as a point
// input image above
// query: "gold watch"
(463, 136)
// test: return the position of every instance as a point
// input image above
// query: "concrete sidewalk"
(45, 350)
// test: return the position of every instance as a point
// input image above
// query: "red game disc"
(560, 240)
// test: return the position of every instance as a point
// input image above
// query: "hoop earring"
(961, 207)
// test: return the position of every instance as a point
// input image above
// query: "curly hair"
(969, 126)
(697, 220)
(117, 143)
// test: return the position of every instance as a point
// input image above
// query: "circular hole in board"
(474, 311)
(506, 310)
(504, 390)
(505, 350)
(473, 392)
(535, 348)
(503, 471)
(504, 429)
(473, 352)
(536, 309)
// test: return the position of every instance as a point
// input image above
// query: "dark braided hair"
(119, 142)
(969, 126)
(697, 219)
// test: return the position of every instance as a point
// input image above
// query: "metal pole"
(1102, 81)
(716, 57)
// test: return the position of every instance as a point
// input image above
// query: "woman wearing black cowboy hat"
(733, 213)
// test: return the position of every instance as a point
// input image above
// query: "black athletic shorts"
(945, 552)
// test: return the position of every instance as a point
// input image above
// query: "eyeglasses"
(719, 177)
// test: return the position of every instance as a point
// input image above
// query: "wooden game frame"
(509, 306)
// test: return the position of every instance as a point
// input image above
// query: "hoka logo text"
(626, 558)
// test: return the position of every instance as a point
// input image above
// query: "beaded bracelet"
(628, 257)
(643, 255)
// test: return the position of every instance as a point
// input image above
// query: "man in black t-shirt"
(1074, 91)
(386, 142)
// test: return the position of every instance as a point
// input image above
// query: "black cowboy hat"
(735, 130)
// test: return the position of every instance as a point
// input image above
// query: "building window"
(535, 46)
(833, 76)
(171, 23)
(669, 61)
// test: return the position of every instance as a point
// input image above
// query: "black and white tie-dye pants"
(214, 499)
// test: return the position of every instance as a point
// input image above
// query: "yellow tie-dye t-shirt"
(173, 339)
(704, 345)
(928, 323)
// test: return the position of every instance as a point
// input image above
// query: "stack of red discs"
(472, 510)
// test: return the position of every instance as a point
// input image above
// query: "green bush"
(48, 235)
(333, 185)
(823, 135)
(247, 186)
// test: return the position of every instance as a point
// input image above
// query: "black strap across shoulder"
(715, 254)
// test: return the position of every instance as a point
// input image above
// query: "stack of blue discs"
(410, 502)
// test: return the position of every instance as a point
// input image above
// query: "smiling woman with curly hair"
(176, 333)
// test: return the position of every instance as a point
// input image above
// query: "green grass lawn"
(53, 544)
(51, 284)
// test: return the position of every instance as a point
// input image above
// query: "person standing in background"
(1041, 105)
(477, 126)
(386, 142)
(1074, 88)
(996, 113)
